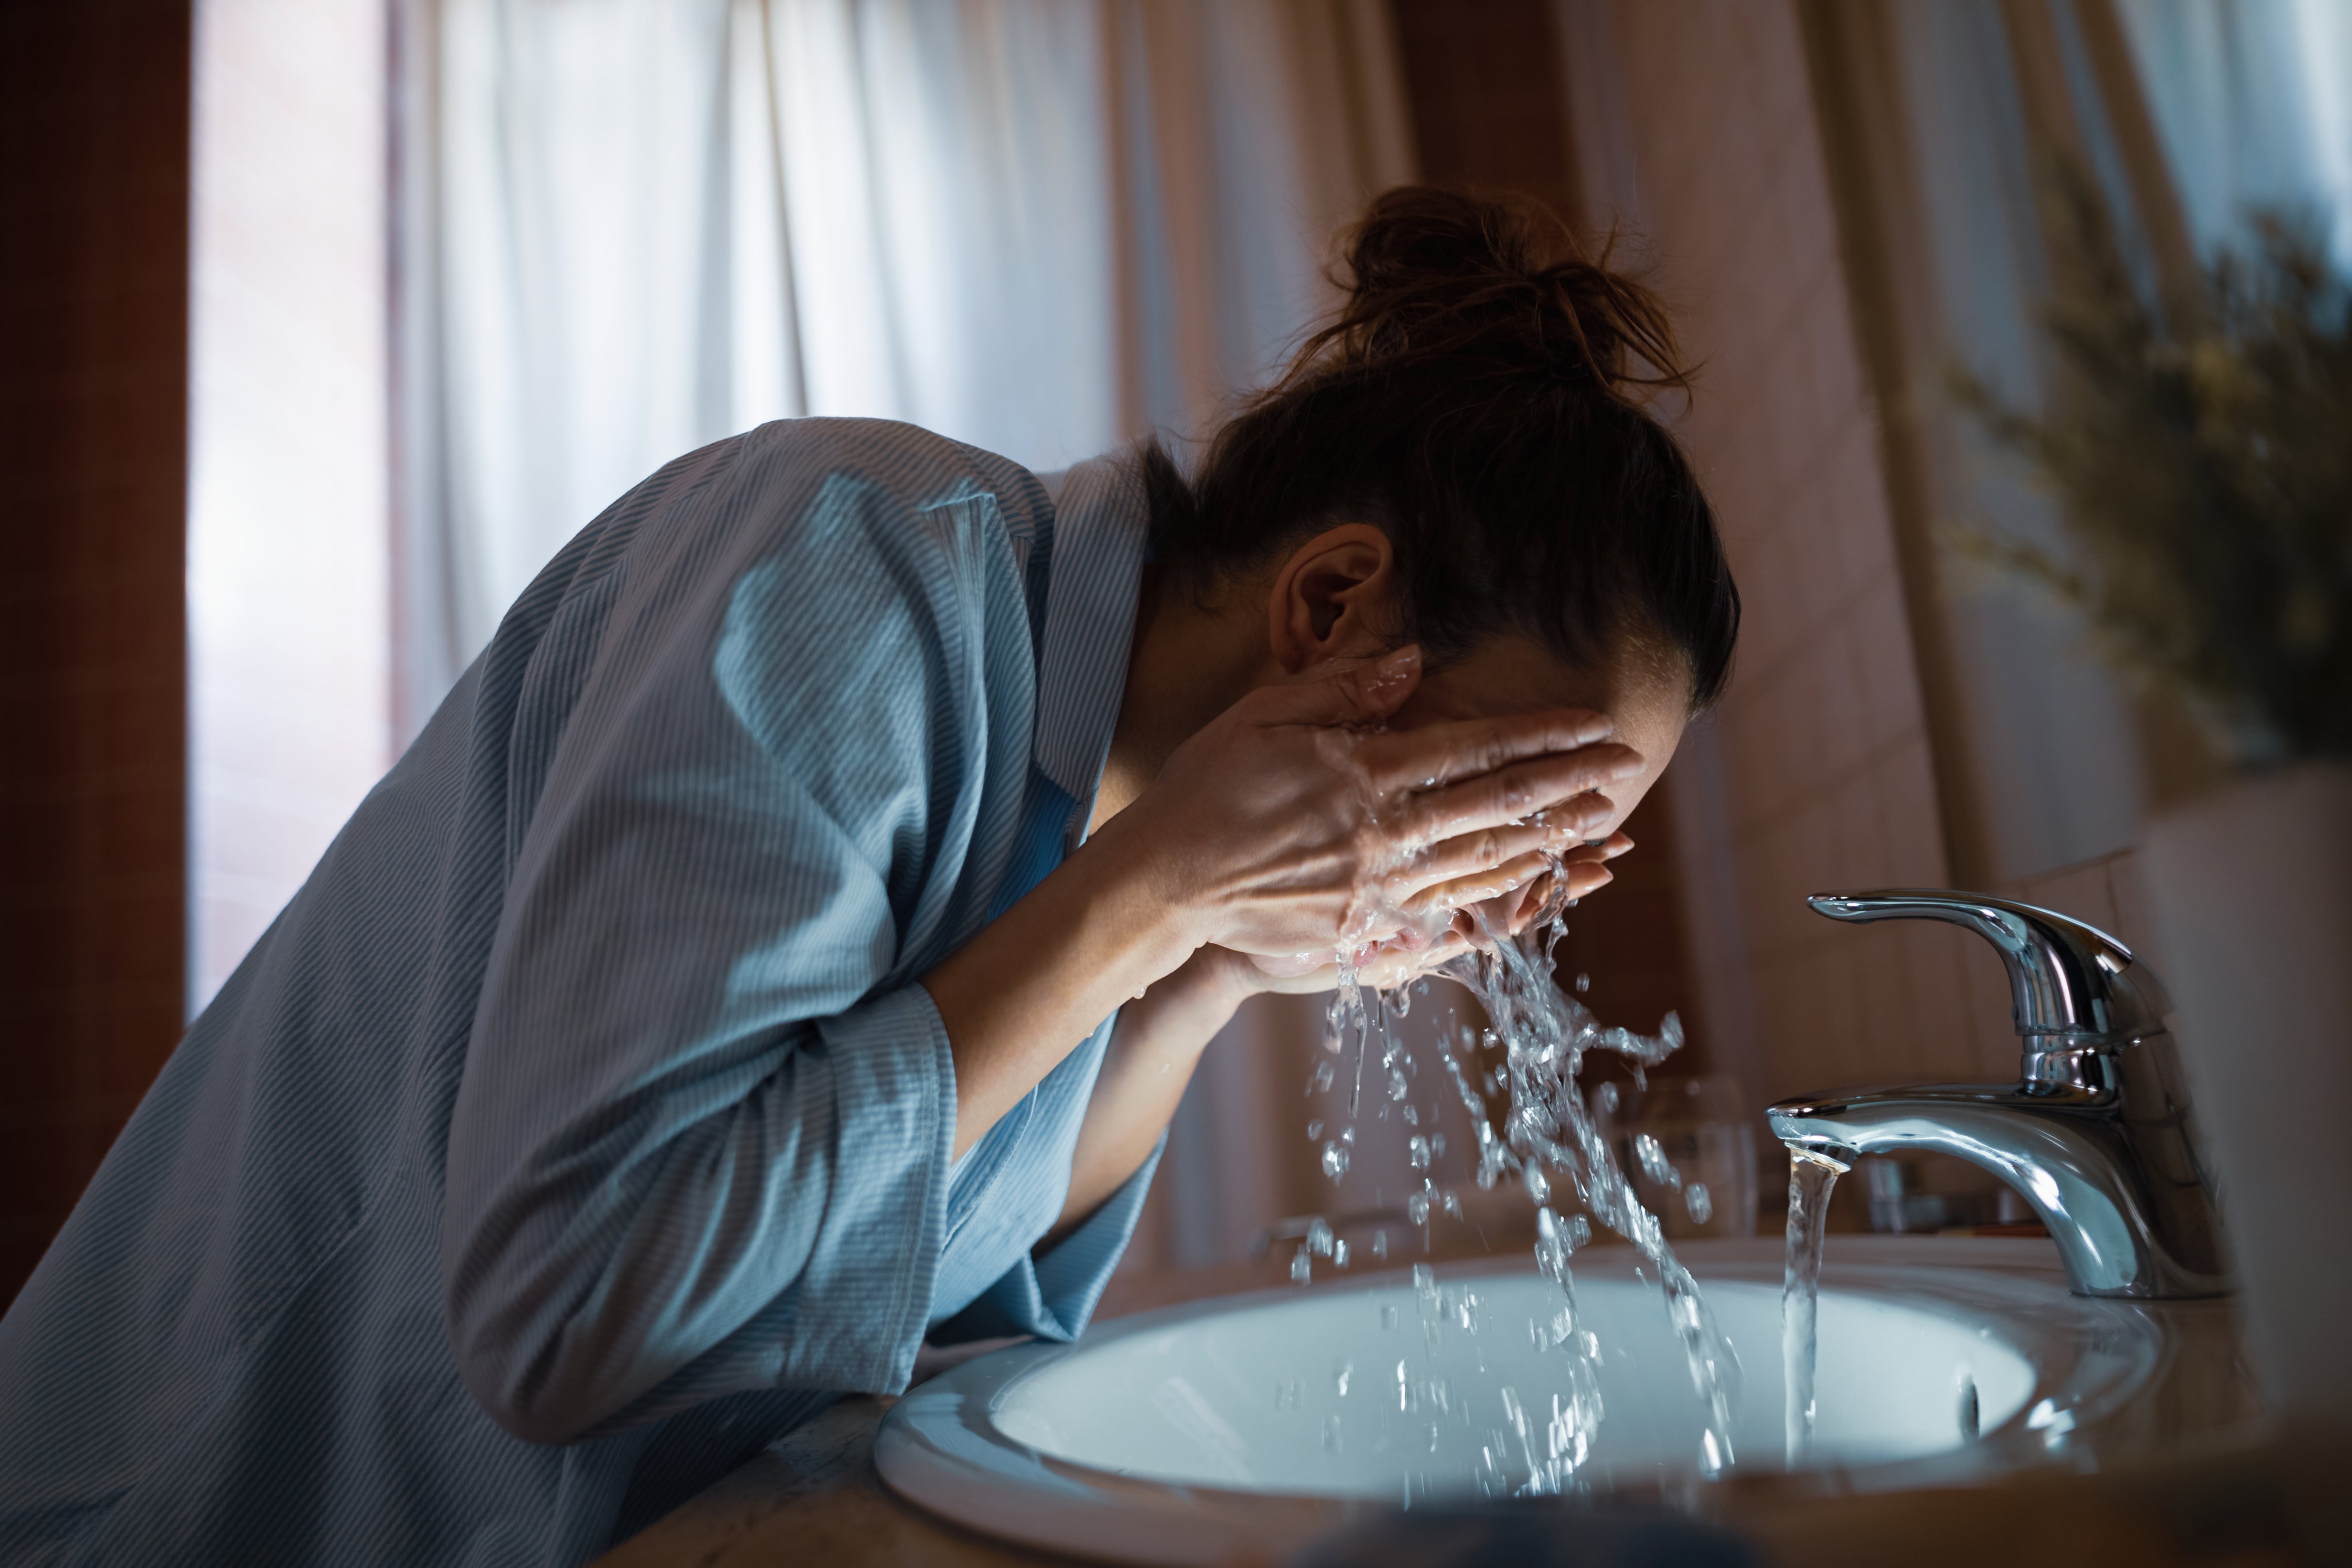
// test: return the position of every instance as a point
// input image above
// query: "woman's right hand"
(1295, 823)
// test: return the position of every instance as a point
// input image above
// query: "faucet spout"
(2070, 1158)
(2097, 1134)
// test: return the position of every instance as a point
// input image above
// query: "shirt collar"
(1101, 524)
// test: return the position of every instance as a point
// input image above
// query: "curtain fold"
(630, 227)
(2253, 102)
(1940, 121)
(1041, 226)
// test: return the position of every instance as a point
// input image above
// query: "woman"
(725, 993)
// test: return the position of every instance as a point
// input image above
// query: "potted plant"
(2200, 453)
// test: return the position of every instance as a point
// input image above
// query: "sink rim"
(939, 1449)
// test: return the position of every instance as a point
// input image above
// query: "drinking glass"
(1688, 1145)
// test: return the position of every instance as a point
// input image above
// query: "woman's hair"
(1480, 400)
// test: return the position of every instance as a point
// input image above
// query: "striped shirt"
(583, 1124)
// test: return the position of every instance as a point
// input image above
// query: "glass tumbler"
(1688, 1145)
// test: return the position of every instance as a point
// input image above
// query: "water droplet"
(1388, 1314)
(1339, 1254)
(1314, 1130)
(1302, 1268)
(1339, 1376)
(1331, 1433)
(1652, 1157)
(1700, 1202)
(1416, 1151)
(1335, 1161)
(1583, 984)
(1318, 1235)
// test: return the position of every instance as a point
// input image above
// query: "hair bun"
(1435, 274)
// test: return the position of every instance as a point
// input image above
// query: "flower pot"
(2252, 892)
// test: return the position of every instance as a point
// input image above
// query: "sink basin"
(1258, 1421)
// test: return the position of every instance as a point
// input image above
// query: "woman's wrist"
(1148, 886)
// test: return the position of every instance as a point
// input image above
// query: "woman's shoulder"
(919, 467)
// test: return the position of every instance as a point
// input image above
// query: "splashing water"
(1550, 1137)
(1545, 1033)
(1810, 1177)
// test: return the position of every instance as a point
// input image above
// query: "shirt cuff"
(1052, 1296)
(866, 1292)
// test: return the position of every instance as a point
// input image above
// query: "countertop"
(2191, 1476)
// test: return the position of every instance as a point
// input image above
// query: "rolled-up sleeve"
(1051, 1294)
(702, 1137)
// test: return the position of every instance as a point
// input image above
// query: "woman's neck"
(1187, 664)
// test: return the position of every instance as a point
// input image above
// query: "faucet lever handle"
(2065, 977)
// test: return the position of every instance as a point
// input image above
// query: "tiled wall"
(1815, 774)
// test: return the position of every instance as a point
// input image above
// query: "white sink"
(1182, 1435)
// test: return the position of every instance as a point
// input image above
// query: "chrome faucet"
(2095, 1135)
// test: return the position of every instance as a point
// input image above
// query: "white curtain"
(1041, 226)
(2184, 112)
(630, 227)
(2254, 102)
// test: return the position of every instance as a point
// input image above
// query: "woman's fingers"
(1567, 788)
(1609, 849)
(1474, 854)
(1431, 754)
(1514, 894)
(1452, 875)
(1479, 887)
(1380, 967)
(1361, 693)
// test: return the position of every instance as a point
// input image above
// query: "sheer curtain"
(2254, 100)
(1938, 120)
(630, 227)
(1041, 226)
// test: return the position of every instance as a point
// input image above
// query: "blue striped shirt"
(581, 1123)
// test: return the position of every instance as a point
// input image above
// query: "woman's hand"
(1411, 954)
(1292, 825)
(1161, 1033)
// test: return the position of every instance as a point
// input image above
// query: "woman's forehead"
(1512, 673)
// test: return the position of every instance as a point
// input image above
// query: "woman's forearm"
(1027, 990)
(1149, 1061)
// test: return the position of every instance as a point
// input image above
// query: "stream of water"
(1810, 1177)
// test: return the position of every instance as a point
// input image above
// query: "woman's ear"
(1334, 598)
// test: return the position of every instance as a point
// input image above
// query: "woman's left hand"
(1384, 965)
(1161, 1033)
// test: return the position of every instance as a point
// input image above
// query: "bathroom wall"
(1698, 130)
(93, 417)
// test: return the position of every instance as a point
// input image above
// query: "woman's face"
(1511, 674)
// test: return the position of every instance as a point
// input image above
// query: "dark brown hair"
(1481, 398)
